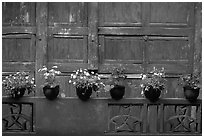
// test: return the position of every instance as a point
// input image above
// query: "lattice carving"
(182, 120)
(17, 117)
(124, 119)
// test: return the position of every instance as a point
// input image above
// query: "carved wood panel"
(17, 117)
(125, 118)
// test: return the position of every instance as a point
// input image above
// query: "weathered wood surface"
(93, 36)
(102, 36)
(41, 44)
(133, 116)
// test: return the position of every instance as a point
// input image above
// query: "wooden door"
(101, 36)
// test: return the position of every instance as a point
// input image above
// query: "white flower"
(54, 67)
(144, 76)
(63, 95)
(58, 72)
(44, 69)
(74, 83)
(156, 73)
(92, 72)
(74, 76)
(70, 81)
(46, 74)
(87, 74)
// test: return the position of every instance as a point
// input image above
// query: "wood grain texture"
(168, 49)
(18, 13)
(66, 48)
(176, 14)
(120, 14)
(93, 36)
(41, 44)
(123, 48)
(70, 13)
(20, 49)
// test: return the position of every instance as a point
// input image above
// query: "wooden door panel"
(18, 13)
(20, 49)
(172, 53)
(67, 49)
(123, 49)
(171, 13)
(168, 49)
(66, 13)
(119, 14)
(117, 51)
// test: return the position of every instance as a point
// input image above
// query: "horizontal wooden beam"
(182, 62)
(129, 68)
(160, 31)
(68, 67)
(67, 31)
(13, 36)
(18, 30)
(110, 101)
(18, 66)
(170, 68)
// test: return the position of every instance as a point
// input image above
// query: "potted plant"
(191, 85)
(51, 86)
(152, 84)
(17, 84)
(85, 82)
(115, 81)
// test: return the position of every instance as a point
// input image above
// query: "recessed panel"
(160, 50)
(123, 49)
(170, 13)
(65, 13)
(66, 49)
(17, 49)
(120, 13)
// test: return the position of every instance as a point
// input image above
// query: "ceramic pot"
(190, 93)
(152, 94)
(18, 93)
(117, 92)
(84, 93)
(51, 93)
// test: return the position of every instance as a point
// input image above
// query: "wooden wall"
(101, 36)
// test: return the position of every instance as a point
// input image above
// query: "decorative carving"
(125, 121)
(19, 117)
(182, 121)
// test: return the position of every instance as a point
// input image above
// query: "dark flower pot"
(84, 93)
(190, 93)
(152, 94)
(18, 93)
(117, 92)
(51, 93)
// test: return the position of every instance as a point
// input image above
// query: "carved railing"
(166, 116)
(134, 116)
(17, 116)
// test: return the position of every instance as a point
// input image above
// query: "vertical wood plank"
(41, 44)
(144, 118)
(93, 36)
(152, 118)
(198, 38)
(161, 118)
